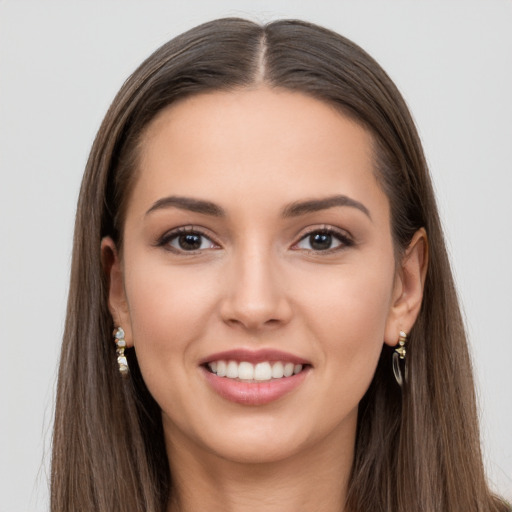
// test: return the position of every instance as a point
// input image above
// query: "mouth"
(254, 378)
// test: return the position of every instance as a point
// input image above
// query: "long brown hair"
(417, 449)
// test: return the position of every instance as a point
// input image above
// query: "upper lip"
(254, 356)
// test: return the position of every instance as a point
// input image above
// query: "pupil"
(320, 241)
(190, 242)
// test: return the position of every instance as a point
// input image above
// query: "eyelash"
(165, 241)
(344, 239)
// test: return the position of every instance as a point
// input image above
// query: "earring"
(399, 354)
(121, 345)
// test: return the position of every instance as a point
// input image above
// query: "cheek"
(169, 307)
(350, 299)
(348, 317)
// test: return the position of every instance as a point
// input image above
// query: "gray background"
(60, 66)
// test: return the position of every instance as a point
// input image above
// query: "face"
(257, 243)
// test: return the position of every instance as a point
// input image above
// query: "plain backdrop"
(60, 66)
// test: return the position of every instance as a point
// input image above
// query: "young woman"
(257, 228)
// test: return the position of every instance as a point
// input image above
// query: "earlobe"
(117, 303)
(408, 289)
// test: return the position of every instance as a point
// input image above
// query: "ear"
(117, 303)
(408, 288)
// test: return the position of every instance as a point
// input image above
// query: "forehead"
(255, 142)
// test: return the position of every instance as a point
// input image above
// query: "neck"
(314, 480)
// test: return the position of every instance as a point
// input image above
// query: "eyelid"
(165, 239)
(342, 235)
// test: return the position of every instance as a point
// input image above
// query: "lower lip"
(254, 393)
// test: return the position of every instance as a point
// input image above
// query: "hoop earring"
(399, 354)
(121, 345)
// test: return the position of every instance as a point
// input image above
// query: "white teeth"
(288, 369)
(221, 368)
(232, 370)
(263, 371)
(278, 370)
(245, 371)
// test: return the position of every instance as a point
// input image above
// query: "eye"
(323, 240)
(187, 241)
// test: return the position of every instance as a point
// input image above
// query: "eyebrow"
(314, 205)
(187, 203)
(295, 209)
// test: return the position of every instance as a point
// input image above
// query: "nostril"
(253, 323)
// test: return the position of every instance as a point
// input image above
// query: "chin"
(261, 451)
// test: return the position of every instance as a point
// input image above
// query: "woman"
(257, 227)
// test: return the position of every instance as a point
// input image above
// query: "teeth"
(288, 369)
(232, 370)
(221, 368)
(278, 370)
(245, 371)
(263, 371)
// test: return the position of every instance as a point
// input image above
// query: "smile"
(259, 372)
(254, 377)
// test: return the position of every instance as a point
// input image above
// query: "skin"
(257, 282)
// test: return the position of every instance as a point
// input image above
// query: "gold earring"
(399, 354)
(121, 345)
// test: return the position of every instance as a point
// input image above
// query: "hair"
(416, 449)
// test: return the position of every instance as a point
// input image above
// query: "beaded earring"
(121, 345)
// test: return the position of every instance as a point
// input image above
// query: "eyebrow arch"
(314, 205)
(187, 203)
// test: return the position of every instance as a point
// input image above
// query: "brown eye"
(323, 240)
(190, 241)
(320, 241)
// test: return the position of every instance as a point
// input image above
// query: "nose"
(255, 295)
